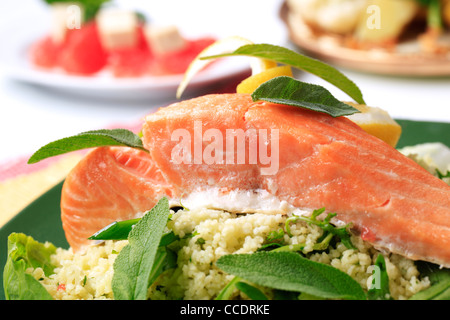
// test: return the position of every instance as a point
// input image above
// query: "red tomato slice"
(177, 62)
(83, 52)
(131, 62)
(44, 53)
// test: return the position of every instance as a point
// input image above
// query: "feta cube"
(164, 39)
(117, 28)
(64, 16)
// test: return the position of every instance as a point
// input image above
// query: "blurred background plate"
(405, 60)
(16, 64)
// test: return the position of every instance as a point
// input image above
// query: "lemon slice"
(376, 122)
(255, 80)
(222, 46)
(260, 65)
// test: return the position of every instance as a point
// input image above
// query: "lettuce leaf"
(25, 252)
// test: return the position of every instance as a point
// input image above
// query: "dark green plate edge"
(415, 132)
(41, 219)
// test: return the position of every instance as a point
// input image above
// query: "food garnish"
(134, 267)
(279, 55)
(325, 225)
(88, 139)
(221, 46)
(288, 91)
(289, 271)
(376, 122)
(255, 80)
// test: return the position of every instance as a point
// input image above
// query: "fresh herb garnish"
(289, 91)
(200, 241)
(117, 230)
(251, 291)
(302, 62)
(227, 291)
(382, 292)
(165, 259)
(440, 283)
(324, 224)
(88, 139)
(441, 175)
(275, 236)
(134, 266)
(291, 272)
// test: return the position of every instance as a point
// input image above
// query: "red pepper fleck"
(61, 287)
(367, 235)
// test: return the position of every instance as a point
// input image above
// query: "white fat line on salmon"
(239, 201)
(253, 146)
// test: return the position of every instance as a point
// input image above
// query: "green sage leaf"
(291, 272)
(289, 91)
(380, 289)
(134, 265)
(88, 139)
(165, 259)
(227, 291)
(117, 230)
(440, 283)
(302, 62)
(251, 291)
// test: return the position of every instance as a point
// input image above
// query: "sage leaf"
(25, 252)
(134, 264)
(302, 62)
(380, 290)
(165, 259)
(251, 291)
(88, 139)
(291, 272)
(289, 91)
(440, 283)
(117, 230)
(228, 290)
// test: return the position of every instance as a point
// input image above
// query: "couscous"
(215, 234)
(204, 235)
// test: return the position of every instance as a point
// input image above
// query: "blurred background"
(37, 107)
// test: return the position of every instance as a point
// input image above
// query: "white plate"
(15, 63)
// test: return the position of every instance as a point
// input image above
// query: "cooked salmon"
(328, 162)
(109, 184)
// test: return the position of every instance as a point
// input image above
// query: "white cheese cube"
(117, 28)
(164, 39)
(64, 16)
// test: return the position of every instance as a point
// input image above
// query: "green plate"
(41, 219)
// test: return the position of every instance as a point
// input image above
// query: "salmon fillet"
(390, 200)
(109, 184)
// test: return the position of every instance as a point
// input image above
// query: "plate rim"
(380, 62)
(15, 66)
